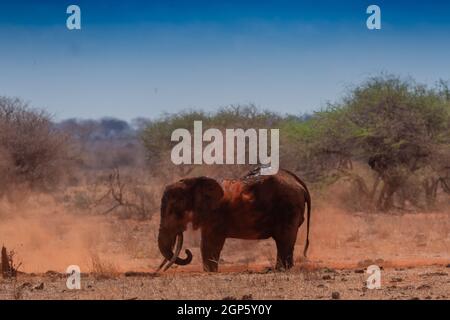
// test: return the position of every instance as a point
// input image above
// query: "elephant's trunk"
(165, 243)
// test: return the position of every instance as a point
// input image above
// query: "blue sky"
(136, 58)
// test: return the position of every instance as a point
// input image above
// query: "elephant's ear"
(207, 194)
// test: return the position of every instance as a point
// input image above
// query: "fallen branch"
(116, 190)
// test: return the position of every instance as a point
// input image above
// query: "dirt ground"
(397, 283)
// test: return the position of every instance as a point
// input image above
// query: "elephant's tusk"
(161, 265)
(177, 251)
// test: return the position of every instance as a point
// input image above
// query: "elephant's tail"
(308, 202)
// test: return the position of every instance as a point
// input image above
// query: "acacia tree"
(400, 129)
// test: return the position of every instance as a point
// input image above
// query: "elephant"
(253, 207)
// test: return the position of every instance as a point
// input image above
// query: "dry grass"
(102, 269)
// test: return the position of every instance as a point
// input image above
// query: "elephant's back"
(258, 204)
(274, 187)
(278, 196)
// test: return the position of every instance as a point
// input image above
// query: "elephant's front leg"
(211, 246)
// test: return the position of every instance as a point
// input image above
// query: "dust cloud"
(45, 236)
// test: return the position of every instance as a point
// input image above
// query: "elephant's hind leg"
(211, 246)
(285, 249)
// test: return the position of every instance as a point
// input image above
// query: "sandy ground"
(399, 283)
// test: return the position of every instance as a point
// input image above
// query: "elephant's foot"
(285, 259)
(210, 266)
(284, 264)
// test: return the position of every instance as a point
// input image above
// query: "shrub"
(33, 152)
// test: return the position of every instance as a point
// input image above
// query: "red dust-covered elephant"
(253, 207)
